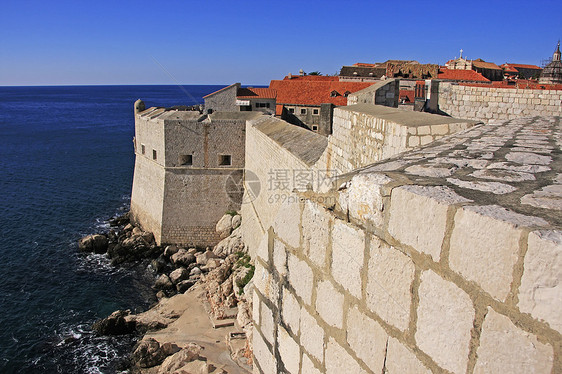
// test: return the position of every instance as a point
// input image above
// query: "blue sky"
(220, 42)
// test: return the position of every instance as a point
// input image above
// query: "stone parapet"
(445, 259)
(491, 103)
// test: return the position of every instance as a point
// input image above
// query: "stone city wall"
(490, 103)
(271, 168)
(405, 296)
(363, 134)
(417, 275)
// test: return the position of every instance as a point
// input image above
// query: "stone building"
(187, 169)
(552, 73)
(235, 98)
(523, 71)
(308, 101)
(489, 70)
(389, 69)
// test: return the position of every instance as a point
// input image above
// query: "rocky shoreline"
(214, 282)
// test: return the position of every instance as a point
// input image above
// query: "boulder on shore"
(115, 324)
(224, 226)
(96, 243)
(149, 353)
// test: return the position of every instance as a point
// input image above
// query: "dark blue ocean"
(66, 166)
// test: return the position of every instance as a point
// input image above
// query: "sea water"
(66, 167)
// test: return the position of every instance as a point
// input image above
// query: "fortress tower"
(187, 169)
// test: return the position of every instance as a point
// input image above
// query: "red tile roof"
(523, 66)
(485, 65)
(278, 109)
(255, 93)
(461, 75)
(305, 92)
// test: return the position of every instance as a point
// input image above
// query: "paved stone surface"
(491, 164)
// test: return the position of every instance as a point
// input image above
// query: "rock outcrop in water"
(220, 276)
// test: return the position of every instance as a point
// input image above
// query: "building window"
(225, 160)
(143, 149)
(314, 111)
(303, 111)
(154, 155)
(291, 110)
(334, 93)
(314, 128)
(346, 93)
(262, 105)
(186, 160)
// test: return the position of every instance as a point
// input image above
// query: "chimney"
(290, 76)
(301, 73)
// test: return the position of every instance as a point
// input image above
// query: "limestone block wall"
(397, 290)
(364, 134)
(422, 267)
(268, 183)
(147, 195)
(489, 103)
(385, 93)
(223, 100)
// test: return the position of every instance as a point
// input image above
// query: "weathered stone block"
(390, 277)
(287, 223)
(485, 246)
(312, 336)
(418, 216)
(504, 348)
(338, 361)
(262, 251)
(348, 247)
(445, 317)
(262, 354)
(367, 339)
(280, 257)
(439, 129)
(267, 325)
(315, 232)
(364, 197)
(264, 282)
(308, 366)
(540, 293)
(424, 130)
(400, 360)
(290, 311)
(289, 351)
(329, 304)
(301, 278)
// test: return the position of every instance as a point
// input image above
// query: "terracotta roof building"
(521, 70)
(236, 98)
(309, 102)
(461, 75)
